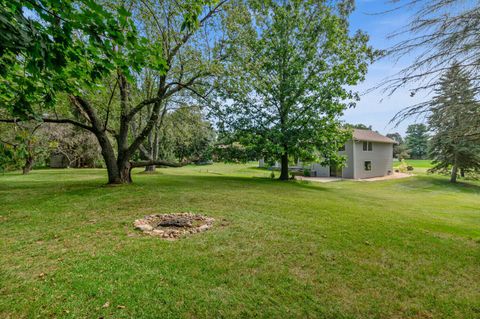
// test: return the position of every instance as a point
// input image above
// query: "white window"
(367, 165)
(367, 146)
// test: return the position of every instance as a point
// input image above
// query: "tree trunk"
(28, 165)
(150, 168)
(109, 157)
(284, 168)
(453, 177)
(154, 153)
(462, 172)
(125, 173)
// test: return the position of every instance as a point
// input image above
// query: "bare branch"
(157, 163)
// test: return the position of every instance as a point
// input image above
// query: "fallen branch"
(157, 163)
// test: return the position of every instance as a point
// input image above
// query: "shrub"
(306, 172)
(296, 173)
(403, 166)
(409, 168)
(272, 175)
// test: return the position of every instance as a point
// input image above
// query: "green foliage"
(454, 120)
(233, 152)
(403, 167)
(417, 141)
(289, 64)
(107, 47)
(191, 11)
(21, 143)
(9, 157)
(307, 172)
(186, 136)
(359, 126)
(50, 46)
(400, 150)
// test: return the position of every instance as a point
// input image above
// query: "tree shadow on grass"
(97, 183)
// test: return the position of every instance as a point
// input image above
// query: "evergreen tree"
(454, 119)
(417, 141)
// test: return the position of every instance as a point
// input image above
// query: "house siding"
(320, 171)
(349, 169)
(381, 157)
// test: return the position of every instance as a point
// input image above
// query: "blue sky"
(377, 108)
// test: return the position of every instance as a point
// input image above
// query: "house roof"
(371, 136)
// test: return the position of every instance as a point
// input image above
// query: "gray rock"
(144, 227)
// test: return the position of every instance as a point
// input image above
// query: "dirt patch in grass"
(173, 226)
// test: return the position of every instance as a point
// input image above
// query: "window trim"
(369, 147)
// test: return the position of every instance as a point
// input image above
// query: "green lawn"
(417, 163)
(406, 248)
(419, 166)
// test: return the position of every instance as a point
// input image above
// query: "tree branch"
(141, 105)
(189, 34)
(157, 163)
(179, 86)
(49, 120)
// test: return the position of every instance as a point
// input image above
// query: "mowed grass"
(407, 248)
(419, 166)
(417, 163)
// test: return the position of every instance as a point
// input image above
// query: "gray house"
(368, 154)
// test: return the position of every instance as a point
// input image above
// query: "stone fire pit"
(173, 226)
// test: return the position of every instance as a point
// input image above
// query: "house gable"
(373, 162)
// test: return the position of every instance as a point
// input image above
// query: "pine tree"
(454, 120)
(417, 140)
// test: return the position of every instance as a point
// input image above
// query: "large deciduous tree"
(289, 66)
(454, 120)
(117, 48)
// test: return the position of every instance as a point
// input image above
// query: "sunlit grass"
(407, 248)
